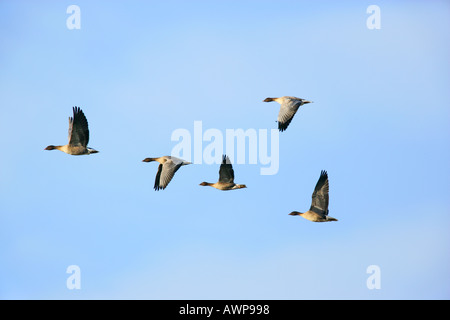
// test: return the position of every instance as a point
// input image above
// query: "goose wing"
(226, 172)
(78, 128)
(320, 197)
(287, 112)
(165, 173)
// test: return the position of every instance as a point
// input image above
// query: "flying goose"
(168, 165)
(226, 177)
(288, 108)
(319, 205)
(78, 135)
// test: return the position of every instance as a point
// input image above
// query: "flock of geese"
(169, 165)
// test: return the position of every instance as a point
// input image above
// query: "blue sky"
(141, 70)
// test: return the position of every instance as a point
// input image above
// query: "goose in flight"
(319, 205)
(78, 135)
(168, 165)
(288, 108)
(226, 177)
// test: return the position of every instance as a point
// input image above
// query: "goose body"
(288, 108)
(78, 136)
(226, 177)
(318, 212)
(168, 165)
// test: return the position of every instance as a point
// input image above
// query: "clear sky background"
(379, 125)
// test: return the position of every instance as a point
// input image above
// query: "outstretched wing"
(287, 112)
(226, 172)
(165, 174)
(320, 195)
(78, 128)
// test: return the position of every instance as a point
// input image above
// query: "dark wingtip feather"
(158, 187)
(225, 159)
(282, 126)
(76, 110)
(157, 178)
